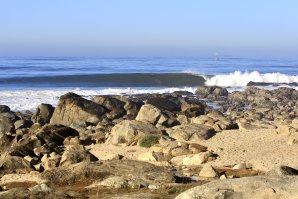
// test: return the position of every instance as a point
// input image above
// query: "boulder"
(19, 124)
(192, 108)
(221, 122)
(7, 121)
(99, 171)
(211, 91)
(75, 111)
(197, 159)
(4, 109)
(75, 154)
(14, 164)
(216, 120)
(53, 133)
(149, 113)
(109, 102)
(164, 104)
(50, 161)
(191, 132)
(130, 132)
(43, 114)
(132, 108)
(237, 97)
(5, 141)
(257, 187)
(114, 106)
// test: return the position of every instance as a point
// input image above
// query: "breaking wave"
(240, 79)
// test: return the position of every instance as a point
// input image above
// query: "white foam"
(240, 79)
(22, 100)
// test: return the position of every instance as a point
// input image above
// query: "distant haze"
(149, 28)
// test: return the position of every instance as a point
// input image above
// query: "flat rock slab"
(246, 188)
(22, 178)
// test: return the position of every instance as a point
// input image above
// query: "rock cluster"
(54, 142)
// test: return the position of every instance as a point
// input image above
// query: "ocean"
(25, 82)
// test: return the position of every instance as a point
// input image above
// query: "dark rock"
(55, 133)
(7, 122)
(43, 114)
(164, 104)
(181, 93)
(4, 109)
(19, 124)
(109, 102)
(270, 84)
(211, 91)
(76, 112)
(114, 105)
(192, 108)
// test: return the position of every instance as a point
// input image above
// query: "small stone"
(223, 177)
(208, 172)
(154, 186)
(197, 159)
(240, 166)
(292, 141)
(41, 187)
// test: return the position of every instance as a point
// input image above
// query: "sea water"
(26, 82)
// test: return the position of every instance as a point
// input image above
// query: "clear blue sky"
(122, 26)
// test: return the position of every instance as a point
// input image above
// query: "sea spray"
(239, 79)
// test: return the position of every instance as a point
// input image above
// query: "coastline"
(246, 133)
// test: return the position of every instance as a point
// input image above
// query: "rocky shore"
(211, 144)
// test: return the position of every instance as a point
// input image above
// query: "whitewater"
(27, 82)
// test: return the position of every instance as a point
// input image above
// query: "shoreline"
(176, 136)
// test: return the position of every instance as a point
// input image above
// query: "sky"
(119, 27)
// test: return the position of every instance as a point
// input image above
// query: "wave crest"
(239, 79)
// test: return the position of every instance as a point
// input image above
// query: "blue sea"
(26, 82)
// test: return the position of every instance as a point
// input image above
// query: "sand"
(262, 148)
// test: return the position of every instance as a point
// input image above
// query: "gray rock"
(43, 114)
(191, 132)
(130, 132)
(4, 109)
(211, 91)
(14, 164)
(55, 134)
(164, 104)
(256, 187)
(7, 122)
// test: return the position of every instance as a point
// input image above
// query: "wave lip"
(110, 80)
(240, 79)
